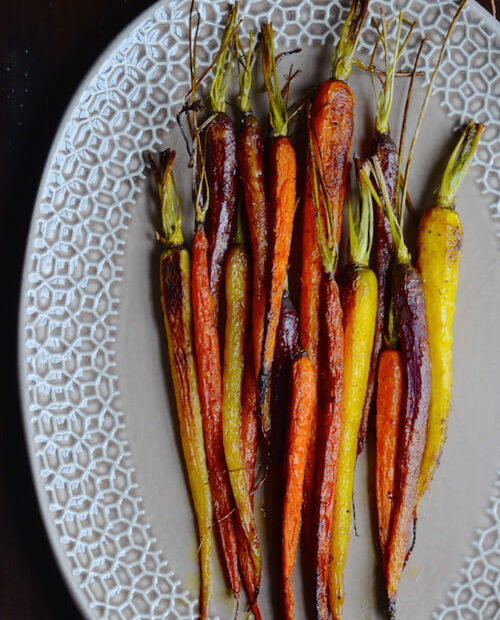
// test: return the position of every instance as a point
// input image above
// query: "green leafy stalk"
(278, 111)
(346, 47)
(385, 97)
(171, 215)
(381, 196)
(245, 67)
(223, 64)
(325, 214)
(360, 221)
(458, 164)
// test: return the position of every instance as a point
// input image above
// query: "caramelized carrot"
(282, 202)
(221, 164)
(249, 434)
(409, 308)
(237, 306)
(175, 265)
(389, 398)
(386, 152)
(332, 121)
(331, 396)
(302, 404)
(251, 168)
(210, 383)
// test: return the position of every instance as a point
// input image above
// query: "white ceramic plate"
(97, 407)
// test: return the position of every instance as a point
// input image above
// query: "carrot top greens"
(278, 112)
(360, 221)
(344, 52)
(245, 66)
(223, 64)
(171, 214)
(385, 96)
(458, 165)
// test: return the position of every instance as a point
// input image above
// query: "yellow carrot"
(237, 304)
(439, 246)
(359, 302)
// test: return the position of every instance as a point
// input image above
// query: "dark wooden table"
(46, 48)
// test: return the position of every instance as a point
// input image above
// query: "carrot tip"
(391, 609)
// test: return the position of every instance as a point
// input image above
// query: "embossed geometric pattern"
(74, 267)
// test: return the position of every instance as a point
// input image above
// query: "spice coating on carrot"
(389, 399)
(302, 404)
(210, 385)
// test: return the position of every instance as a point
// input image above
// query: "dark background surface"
(46, 48)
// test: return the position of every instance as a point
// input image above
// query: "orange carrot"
(282, 191)
(331, 396)
(332, 123)
(302, 405)
(210, 385)
(389, 398)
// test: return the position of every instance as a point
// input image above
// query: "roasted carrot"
(175, 266)
(221, 164)
(408, 300)
(251, 169)
(237, 307)
(439, 245)
(249, 434)
(332, 120)
(359, 305)
(210, 384)
(386, 151)
(302, 404)
(331, 396)
(282, 167)
(389, 398)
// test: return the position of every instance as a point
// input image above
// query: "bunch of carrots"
(371, 337)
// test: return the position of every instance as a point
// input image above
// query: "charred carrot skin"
(222, 179)
(330, 406)
(210, 384)
(389, 399)
(383, 250)
(332, 122)
(409, 306)
(175, 267)
(251, 168)
(302, 404)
